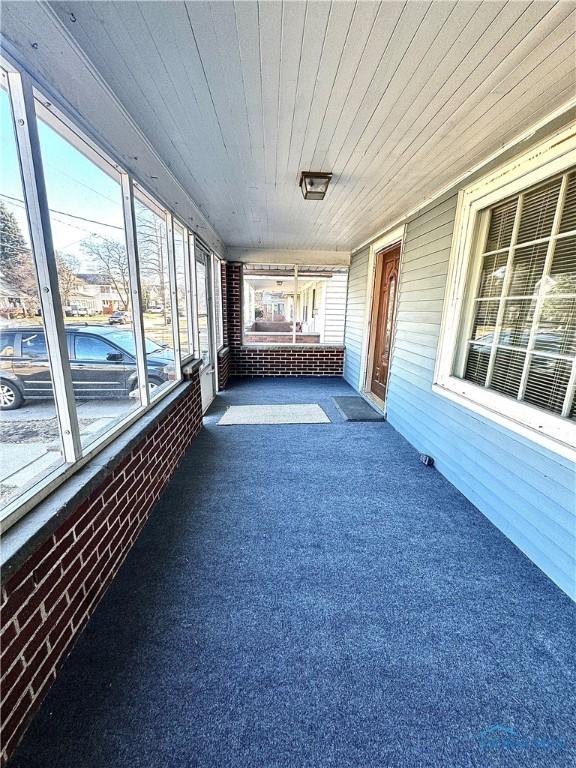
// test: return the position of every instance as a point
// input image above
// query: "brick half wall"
(47, 601)
(294, 360)
(288, 361)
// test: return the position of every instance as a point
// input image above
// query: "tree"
(67, 267)
(16, 263)
(12, 242)
(110, 256)
(152, 253)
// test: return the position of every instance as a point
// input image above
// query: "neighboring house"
(480, 373)
(12, 301)
(99, 293)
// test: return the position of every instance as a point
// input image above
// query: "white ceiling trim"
(272, 256)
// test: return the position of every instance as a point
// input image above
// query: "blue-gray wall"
(526, 491)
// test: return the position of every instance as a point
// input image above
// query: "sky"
(76, 188)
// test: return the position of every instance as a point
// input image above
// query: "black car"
(102, 359)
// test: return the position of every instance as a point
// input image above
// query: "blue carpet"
(313, 596)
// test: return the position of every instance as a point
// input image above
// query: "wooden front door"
(385, 290)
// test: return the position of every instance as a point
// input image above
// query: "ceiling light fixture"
(314, 185)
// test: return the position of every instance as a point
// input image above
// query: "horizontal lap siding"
(356, 316)
(525, 490)
(334, 309)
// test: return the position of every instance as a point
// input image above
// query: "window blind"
(521, 341)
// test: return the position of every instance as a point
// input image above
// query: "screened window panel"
(501, 225)
(522, 337)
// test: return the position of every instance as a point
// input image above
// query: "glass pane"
(516, 323)
(484, 323)
(562, 278)
(538, 211)
(152, 241)
(507, 371)
(202, 302)
(321, 305)
(182, 291)
(527, 269)
(29, 433)
(557, 327)
(477, 364)
(269, 304)
(568, 221)
(493, 274)
(85, 200)
(547, 383)
(501, 225)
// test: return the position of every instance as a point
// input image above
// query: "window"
(33, 345)
(86, 211)
(92, 348)
(7, 343)
(514, 347)
(202, 260)
(30, 445)
(157, 315)
(183, 291)
(89, 332)
(284, 304)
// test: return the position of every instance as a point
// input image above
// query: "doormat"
(354, 408)
(274, 414)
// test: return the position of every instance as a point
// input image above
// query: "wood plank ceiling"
(396, 99)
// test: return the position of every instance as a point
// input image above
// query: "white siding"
(356, 309)
(334, 308)
(525, 490)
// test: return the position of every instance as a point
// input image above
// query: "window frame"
(547, 159)
(28, 104)
(297, 278)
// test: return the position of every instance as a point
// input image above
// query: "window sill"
(500, 411)
(34, 528)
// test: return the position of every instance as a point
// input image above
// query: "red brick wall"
(223, 369)
(47, 602)
(272, 361)
(234, 303)
(224, 284)
(288, 361)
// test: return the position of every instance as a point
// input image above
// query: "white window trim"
(547, 159)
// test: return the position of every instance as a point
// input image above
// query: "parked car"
(102, 360)
(76, 310)
(119, 318)
(157, 309)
